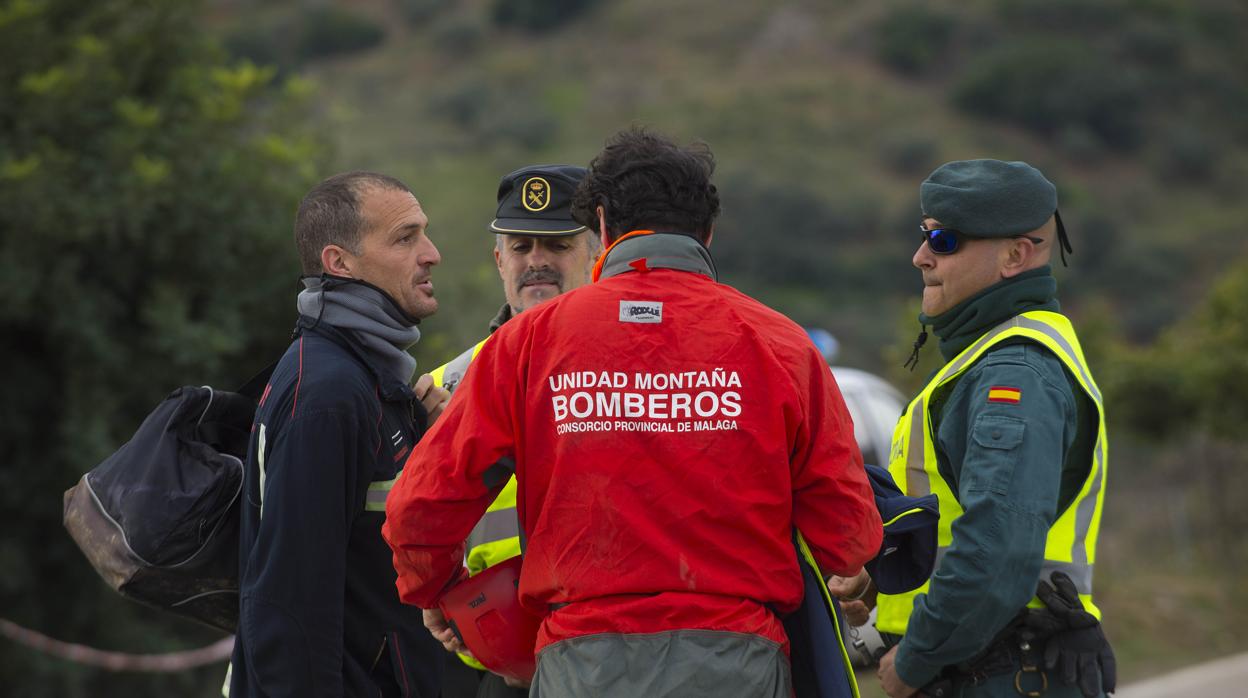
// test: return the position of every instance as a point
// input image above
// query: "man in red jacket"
(667, 433)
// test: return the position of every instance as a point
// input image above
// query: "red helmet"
(484, 611)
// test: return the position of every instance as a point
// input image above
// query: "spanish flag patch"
(1004, 393)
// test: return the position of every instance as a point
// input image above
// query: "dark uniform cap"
(537, 200)
(988, 198)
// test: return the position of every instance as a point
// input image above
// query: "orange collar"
(603, 257)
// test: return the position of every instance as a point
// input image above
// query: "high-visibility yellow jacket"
(1070, 545)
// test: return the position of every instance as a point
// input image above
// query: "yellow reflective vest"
(1071, 542)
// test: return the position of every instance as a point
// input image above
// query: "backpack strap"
(225, 421)
(255, 385)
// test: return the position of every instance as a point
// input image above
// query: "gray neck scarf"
(382, 330)
(660, 251)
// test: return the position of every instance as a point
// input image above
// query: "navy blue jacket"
(320, 614)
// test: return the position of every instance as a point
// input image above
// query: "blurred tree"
(1058, 16)
(825, 235)
(420, 12)
(1048, 84)
(1187, 154)
(290, 36)
(538, 16)
(1199, 366)
(147, 190)
(914, 39)
(331, 30)
(494, 112)
(1185, 396)
(1117, 72)
(909, 153)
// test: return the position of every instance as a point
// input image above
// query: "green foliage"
(1210, 350)
(906, 153)
(268, 42)
(538, 16)
(1183, 400)
(1192, 379)
(148, 188)
(818, 234)
(289, 39)
(1091, 77)
(420, 12)
(1047, 85)
(330, 30)
(497, 113)
(914, 39)
(460, 34)
(1064, 16)
(1187, 154)
(1152, 46)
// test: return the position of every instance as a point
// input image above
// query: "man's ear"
(1016, 257)
(336, 261)
(709, 234)
(602, 227)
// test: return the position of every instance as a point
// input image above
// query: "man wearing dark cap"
(540, 253)
(1010, 435)
(539, 250)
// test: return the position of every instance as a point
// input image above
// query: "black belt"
(1017, 652)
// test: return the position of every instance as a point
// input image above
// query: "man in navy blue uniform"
(319, 612)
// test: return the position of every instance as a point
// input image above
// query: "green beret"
(988, 198)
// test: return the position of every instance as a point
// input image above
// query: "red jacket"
(667, 433)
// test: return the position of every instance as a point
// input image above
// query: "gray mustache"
(545, 275)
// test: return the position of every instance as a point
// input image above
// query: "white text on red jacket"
(675, 401)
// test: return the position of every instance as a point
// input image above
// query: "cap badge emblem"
(536, 194)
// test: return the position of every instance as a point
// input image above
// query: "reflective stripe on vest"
(496, 537)
(378, 490)
(1071, 542)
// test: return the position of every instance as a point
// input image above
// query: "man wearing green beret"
(1010, 435)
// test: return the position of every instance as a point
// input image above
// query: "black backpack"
(158, 519)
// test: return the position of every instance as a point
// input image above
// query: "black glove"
(1077, 640)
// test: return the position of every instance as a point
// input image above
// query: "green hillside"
(824, 117)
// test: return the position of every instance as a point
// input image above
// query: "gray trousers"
(685, 663)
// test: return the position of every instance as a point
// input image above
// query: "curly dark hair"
(644, 181)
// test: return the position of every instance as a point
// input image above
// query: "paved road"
(1222, 678)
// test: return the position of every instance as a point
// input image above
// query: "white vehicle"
(875, 407)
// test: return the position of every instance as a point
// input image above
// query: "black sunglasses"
(947, 240)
